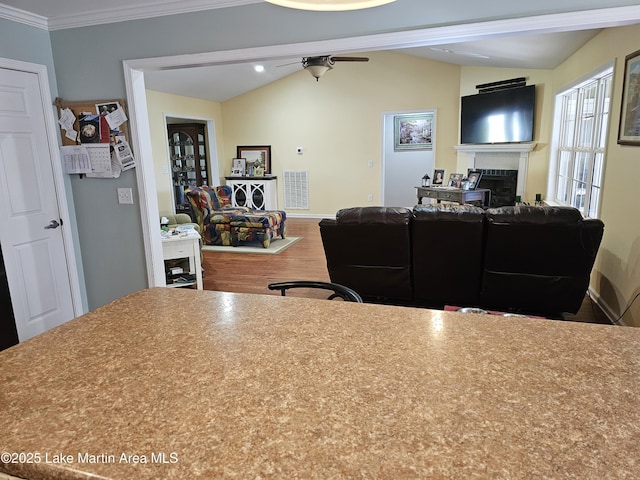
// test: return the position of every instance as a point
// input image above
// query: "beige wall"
(616, 277)
(338, 122)
(161, 105)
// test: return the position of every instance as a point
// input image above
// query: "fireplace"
(502, 166)
(502, 183)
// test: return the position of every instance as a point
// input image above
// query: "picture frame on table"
(474, 177)
(455, 180)
(438, 177)
(256, 156)
(238, 168)
(413, 131)
(629, 128)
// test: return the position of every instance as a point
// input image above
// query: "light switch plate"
(125, 196)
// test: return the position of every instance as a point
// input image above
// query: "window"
(580, 132)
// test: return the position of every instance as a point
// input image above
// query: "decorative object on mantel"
(629, 129)
(330, 5)
(426, 180)
(413, 131)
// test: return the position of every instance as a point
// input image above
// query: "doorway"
(37, 246)
(402, 170)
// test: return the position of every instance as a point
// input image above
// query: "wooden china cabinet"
(189, 165)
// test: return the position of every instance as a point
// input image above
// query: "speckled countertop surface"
(259, 386)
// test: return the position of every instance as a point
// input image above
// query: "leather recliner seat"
(538, 259)
(447, 244)
(369, 248)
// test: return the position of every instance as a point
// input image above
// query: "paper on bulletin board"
(75, 159)
(103, 164)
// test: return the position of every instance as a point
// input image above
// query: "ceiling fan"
(317, 66)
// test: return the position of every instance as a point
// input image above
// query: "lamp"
(330, 5)
(426, 180)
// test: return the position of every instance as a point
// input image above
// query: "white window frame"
(583, 193)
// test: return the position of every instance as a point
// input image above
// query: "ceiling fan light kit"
(330, 5)
(318, 66)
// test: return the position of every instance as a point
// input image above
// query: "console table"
(455, 195)
(254, 192)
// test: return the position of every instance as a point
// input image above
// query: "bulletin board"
(95, 137)
(93, 107)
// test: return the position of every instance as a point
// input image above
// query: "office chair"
(339, 291)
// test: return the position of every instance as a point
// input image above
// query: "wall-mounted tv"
(499, 116)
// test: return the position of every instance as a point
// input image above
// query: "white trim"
(431, 36)
(24, 17)
(58, 175)
(610, 314)
(145, 177)
(607, 17)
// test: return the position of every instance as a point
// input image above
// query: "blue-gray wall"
(88, 65)
(33, 45)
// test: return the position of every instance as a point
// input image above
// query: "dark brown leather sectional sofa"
(523, 259)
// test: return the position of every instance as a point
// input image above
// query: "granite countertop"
(184, 384)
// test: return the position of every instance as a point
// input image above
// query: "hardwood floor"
(305, 260)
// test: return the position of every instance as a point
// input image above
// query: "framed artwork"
(629, 129)
(413, 131)
(256, 157)
(474, 177)
(438, 177)
(455, 180)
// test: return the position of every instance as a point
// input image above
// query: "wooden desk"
(205, 385)
(455, 195)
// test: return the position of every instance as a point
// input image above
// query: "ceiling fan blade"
(287, 64)
(350, 59)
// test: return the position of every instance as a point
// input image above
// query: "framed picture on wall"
(256, 157)
(629, 129)
(413, 131)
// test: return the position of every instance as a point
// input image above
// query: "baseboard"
(310, 215)
(610, 314)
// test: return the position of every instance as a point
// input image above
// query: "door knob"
(52, 224)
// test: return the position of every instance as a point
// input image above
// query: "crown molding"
(21, 16)
(138, 12)
(122, 14)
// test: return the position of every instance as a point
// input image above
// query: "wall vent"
(296, 189)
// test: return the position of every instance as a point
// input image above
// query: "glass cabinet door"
(188, 162)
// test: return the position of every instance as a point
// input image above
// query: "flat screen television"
(500, 116)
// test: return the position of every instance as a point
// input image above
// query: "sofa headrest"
(448, 211)
(527, 214)
(374, 215)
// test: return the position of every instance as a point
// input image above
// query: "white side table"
(184, 246)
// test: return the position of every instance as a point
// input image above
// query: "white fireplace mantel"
(496, 147)
(503, 156)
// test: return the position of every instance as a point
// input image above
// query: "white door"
(34, 255)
